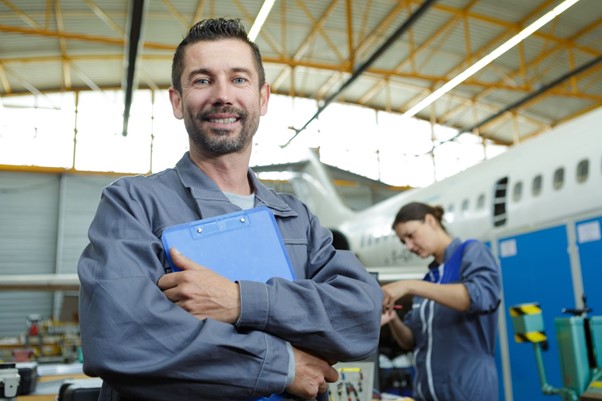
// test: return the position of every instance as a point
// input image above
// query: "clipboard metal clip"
(221, 225)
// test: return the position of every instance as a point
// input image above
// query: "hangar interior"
(462, 64)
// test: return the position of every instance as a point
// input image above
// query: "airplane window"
(517, 192)
(481, 202)
(465, 205)
(582, 170)
(450, 208)
(537, 185)
(559, 178)
(499, 202)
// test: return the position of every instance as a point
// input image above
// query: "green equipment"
(579, 341)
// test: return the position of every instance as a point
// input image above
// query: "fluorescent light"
(260, 19)
(550, 15)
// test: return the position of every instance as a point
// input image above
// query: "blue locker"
(536, 268)
(590, 255)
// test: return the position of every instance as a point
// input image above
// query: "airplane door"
(589, 243)
(535, 268)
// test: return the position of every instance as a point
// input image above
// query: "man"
(193, 334)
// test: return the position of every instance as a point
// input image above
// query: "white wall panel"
(44, 220)
(28, 235)
(79, 198)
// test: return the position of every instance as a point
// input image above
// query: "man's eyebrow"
(207, 71)
(198, 71)
(242, 69)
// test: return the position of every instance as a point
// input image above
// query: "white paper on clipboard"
(244, 245)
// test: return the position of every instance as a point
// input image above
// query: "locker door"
(536, 268)
(589, 244)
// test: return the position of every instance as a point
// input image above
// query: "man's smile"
(228, 120)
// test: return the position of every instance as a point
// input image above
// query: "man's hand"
(200, 291)
(312, 376)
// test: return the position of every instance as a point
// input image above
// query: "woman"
(453, 322)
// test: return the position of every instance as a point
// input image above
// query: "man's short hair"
(209, 30)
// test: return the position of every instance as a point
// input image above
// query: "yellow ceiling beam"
(83, 37)
(58, 17)
(533, 63)
(349, 20)
(4, 80)
(178, 16)
(513, 26)
(305, 44)
(198, 12)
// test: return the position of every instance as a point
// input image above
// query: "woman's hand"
(387, 316)
(394, 291)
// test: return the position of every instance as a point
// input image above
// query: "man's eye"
(240, 80)
(201, 81)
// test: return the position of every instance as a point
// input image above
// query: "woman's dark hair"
(418, 211)
(209, 30)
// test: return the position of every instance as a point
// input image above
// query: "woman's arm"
(453, 296)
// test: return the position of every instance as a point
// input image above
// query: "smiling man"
(219, 101)
(193, 334)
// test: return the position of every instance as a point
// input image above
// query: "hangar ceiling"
(383, 54)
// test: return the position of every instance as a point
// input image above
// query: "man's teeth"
(223, 120)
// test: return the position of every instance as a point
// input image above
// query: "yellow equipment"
(579, 344)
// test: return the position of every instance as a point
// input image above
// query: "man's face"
(221, 101)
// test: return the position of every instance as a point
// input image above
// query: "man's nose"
(222, 93)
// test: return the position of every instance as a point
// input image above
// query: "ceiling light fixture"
(550, 15)
(260, 19)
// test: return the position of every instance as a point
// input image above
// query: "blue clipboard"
(244, 245)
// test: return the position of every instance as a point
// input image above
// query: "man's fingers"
(181, 261)
(331, 375)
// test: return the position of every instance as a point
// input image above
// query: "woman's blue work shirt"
(454, 351)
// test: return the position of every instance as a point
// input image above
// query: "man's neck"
(229, 172)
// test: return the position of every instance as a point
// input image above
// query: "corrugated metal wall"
(44, 220)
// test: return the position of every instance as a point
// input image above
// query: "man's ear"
(264, 96)
(176, 103)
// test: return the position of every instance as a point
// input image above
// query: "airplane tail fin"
(314, 186)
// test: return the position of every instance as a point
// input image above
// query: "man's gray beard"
(223, 143)
(220, 145)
